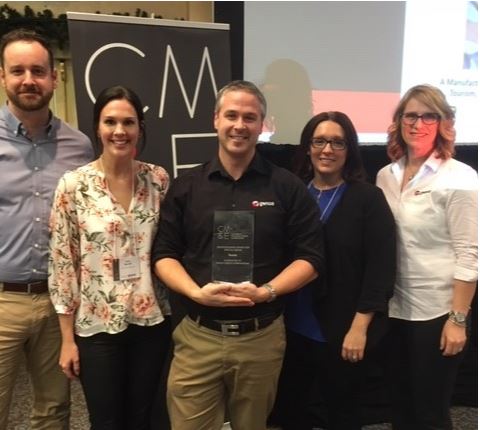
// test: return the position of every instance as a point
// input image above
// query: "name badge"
(126, 268)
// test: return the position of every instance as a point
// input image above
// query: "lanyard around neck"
(128, 213)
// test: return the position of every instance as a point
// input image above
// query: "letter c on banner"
(94, 57)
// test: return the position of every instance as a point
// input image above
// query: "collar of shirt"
(430, 165)
(16, 126)
(258, 164)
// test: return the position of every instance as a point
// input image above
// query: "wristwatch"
(458, 318)
(271, 290)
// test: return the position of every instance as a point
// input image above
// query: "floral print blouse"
(88, 228)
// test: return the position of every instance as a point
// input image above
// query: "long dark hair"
(353, 170)
(118, 92)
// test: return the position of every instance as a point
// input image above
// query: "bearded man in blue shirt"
(36, 148)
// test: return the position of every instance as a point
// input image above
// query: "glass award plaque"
(232, 246)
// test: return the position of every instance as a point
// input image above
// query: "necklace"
(131, 220)
(332, 198)
(411, 170)
(410, 173)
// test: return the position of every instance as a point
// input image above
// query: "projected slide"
(359, 57)
(445, 54)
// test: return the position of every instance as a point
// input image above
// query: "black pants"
(317, 387)
(120, 375)
(421, 378)
(343, 386)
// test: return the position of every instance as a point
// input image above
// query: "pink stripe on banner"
(370, 112)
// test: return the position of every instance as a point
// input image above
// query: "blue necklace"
(334, 192)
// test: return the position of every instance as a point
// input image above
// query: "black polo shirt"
(286, 218)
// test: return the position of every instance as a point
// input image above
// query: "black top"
(287, 225)
(361, 257)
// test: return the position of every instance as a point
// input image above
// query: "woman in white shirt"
(434, 200)
(115, 334)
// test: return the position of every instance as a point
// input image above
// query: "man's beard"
(29, 104)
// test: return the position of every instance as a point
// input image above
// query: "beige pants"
(211, 372)
(29, 325)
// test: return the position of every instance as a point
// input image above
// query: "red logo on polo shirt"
(257, 204)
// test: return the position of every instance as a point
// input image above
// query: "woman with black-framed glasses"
(332, 337)
(434, 200)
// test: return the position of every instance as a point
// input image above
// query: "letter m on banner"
(176, 68)
(170, 59)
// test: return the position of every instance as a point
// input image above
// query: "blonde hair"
(436, 101)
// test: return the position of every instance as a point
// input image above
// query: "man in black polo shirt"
(229, 348)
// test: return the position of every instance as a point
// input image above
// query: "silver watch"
(271, 290)
(458, 318)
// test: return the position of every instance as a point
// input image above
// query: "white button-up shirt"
(436, 216)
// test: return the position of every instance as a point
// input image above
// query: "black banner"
(176, 67)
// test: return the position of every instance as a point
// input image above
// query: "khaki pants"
(29, 325)
(211, 372)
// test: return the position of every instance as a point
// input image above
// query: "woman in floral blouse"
(115, 334)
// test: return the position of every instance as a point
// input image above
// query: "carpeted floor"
(464, 418)
(21, 405)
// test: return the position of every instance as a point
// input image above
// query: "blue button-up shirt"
(29, 173)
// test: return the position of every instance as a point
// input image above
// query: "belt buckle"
(230, 329)
(32, 284)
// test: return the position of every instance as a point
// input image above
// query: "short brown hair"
(24, 34)
(246, 86)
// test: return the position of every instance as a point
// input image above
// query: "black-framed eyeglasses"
(321, 142)
(428, 118)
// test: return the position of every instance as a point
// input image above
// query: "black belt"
(234, 327)
(37, 287)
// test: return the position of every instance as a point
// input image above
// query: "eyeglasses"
(321, 143)
(428, 118)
